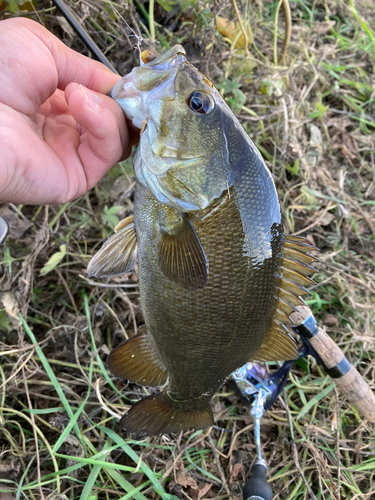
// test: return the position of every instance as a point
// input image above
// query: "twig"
(217, 460)
(151, 23)
(244, 32)
(104, 406)
(35, 434)
(338, 456)
(315, 223)
(71, 298)
(288, 30)
(297, 464)
(106, 285)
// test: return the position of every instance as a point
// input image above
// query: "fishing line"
(137, 46)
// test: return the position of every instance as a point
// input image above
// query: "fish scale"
(215, 286)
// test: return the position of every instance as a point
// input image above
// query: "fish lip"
(126, 89)
(168, 59)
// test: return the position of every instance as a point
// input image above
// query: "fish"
(218, 277)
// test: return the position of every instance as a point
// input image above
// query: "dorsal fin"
(277, 346)
(293, 275)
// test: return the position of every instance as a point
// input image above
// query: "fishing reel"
(259, 388)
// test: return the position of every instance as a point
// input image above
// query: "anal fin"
(136, 361)
(158, 414)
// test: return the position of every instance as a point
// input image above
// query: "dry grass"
(313, 120)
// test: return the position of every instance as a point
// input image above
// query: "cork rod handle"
(346, 376)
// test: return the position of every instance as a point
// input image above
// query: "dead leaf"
(326, 219)
(232, 30)
(65, 26)
(186, 480)
(10, 304)
(6, 496)
(330, 320)
(236, 471)
(323, 27)
(9, 468)
(202, 491)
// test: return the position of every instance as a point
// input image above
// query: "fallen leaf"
(232, 31)
(11, 307)
(236, 471)
(65, 26)
(53, 261)
(326, 219)
(202, 491)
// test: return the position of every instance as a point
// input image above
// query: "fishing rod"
(82, 33)
(260, 388)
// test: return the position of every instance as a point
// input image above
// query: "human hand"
(59, 132)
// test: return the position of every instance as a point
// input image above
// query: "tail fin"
(159, 414)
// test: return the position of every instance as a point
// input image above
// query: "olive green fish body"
(203, 335)
(217, 276)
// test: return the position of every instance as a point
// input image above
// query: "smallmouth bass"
(218, 278)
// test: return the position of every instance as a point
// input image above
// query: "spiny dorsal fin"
(285, 306)
(290, 297)
(299, 243)
(292, 287)
(135, 360)
(294, 269)
(118, 254)
(294, 254)
(299, 267)
(181, 256)
(293, 275)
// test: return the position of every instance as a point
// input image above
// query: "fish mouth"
(146, 83)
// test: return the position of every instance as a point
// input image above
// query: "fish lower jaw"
(137, 121)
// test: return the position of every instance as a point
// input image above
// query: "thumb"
(104, 138)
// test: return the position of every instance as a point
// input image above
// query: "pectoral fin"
(181, 256)
(118, 254)
(136, 361)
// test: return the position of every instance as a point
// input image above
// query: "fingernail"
(92, 99)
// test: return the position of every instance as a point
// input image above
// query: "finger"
(106, 138)
(33, 63)
(71, 66)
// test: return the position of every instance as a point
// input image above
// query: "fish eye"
(200, 102)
